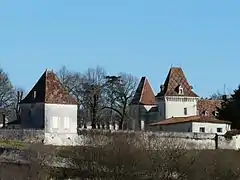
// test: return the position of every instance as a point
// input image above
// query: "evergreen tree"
(230, 109)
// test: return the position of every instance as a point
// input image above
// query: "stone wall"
(229, 142)
(146, 139)
(25, 135)
(150, 140)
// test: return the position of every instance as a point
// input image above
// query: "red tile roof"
(209, 106)
(144, 94)
(177, 120)
(175, 79)
(48, 89)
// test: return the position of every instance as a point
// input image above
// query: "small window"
(185, 111)
(66, 123)
(201, 129)
(180, 90)
(34, 94)
(55, 122)
(206, 113)
(219, 130)
(215, 113)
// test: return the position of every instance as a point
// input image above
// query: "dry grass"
(122, 160)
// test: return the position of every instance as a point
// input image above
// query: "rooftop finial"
(224, 89)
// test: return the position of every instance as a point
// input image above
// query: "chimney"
(162, 88)
(224, 97)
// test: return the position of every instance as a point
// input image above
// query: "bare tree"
(73, 82)
(123, 92)
(216, 96)
(93, 89)
(6, 90)
(87, 89)
(18, 96)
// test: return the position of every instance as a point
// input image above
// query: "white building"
(143, 108)
(175, 108)
(176, 98)
(49, 106)
(197, 124)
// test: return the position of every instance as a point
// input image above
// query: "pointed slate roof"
(144, 94)
(48, 89)
(176, 78)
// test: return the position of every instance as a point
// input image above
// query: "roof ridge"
(142, 89)
(144, 94)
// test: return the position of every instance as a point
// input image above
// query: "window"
(202, 129)
(219, 130)
(66, 122)
(185, 111)
(180, 90)
(215, 113)
(55, 122)
(206, 113)
(34, 94)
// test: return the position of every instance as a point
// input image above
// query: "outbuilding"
(198, 124)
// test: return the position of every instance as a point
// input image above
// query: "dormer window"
(205, 113)
(215, 113)
(180, 90)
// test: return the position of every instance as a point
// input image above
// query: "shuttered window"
(55, 122)
(66, 122)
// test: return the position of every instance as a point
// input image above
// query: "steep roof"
(144, 94)
(177, 120)
(48, 89)
(176, 78)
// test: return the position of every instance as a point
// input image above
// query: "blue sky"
(140, 37)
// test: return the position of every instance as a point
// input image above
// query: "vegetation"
(11, 144)
(216, 96)
(230, 109)
(102, 99)
(122, 160)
